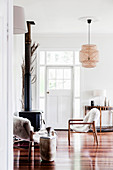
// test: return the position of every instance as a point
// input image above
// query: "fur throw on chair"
(21, 127)
(92, 115)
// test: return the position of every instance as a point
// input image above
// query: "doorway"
(59, 96)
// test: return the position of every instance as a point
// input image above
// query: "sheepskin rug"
(21, 127)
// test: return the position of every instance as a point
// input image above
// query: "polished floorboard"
(83, 154)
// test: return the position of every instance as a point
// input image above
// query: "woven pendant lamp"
(89, 54)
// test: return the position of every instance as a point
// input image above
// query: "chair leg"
(96, 137)
(30, 145)
(68, 133)
(95, 133)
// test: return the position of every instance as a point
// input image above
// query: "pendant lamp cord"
(89, 34)
(89, 22)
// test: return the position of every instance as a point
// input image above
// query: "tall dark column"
(27, 85)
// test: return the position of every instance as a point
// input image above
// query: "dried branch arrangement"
(32, 70)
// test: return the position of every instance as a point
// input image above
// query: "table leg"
(100, 119)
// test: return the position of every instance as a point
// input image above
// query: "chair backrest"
(92, 115)
(21, 127)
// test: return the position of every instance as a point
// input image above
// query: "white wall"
(18, 54)
(96, 78)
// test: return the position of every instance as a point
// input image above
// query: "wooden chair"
(18, 143)
(23, 132)
(84, 125)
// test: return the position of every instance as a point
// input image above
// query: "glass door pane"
(42, 81)
(59, 78)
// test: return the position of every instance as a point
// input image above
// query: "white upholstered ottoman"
(48, 148)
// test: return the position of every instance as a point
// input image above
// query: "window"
(59, 57)
(42, 57)
(42, 81)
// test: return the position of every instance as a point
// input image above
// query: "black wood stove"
(34, 116)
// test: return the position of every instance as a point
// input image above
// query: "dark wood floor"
(81, 155)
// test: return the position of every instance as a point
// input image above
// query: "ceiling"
(61, 16)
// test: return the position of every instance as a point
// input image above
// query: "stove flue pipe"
(27, 85)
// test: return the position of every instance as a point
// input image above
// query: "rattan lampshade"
(89, 55)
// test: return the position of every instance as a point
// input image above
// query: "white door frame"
(6, 125)
(72, 84)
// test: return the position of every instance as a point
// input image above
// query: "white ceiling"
(61, 16)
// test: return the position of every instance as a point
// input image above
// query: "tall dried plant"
(32, 70)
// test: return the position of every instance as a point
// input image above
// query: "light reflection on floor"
(83, 156)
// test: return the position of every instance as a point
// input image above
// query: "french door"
(59, 81)
(59, 86)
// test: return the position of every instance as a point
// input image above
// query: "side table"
(48, 148)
